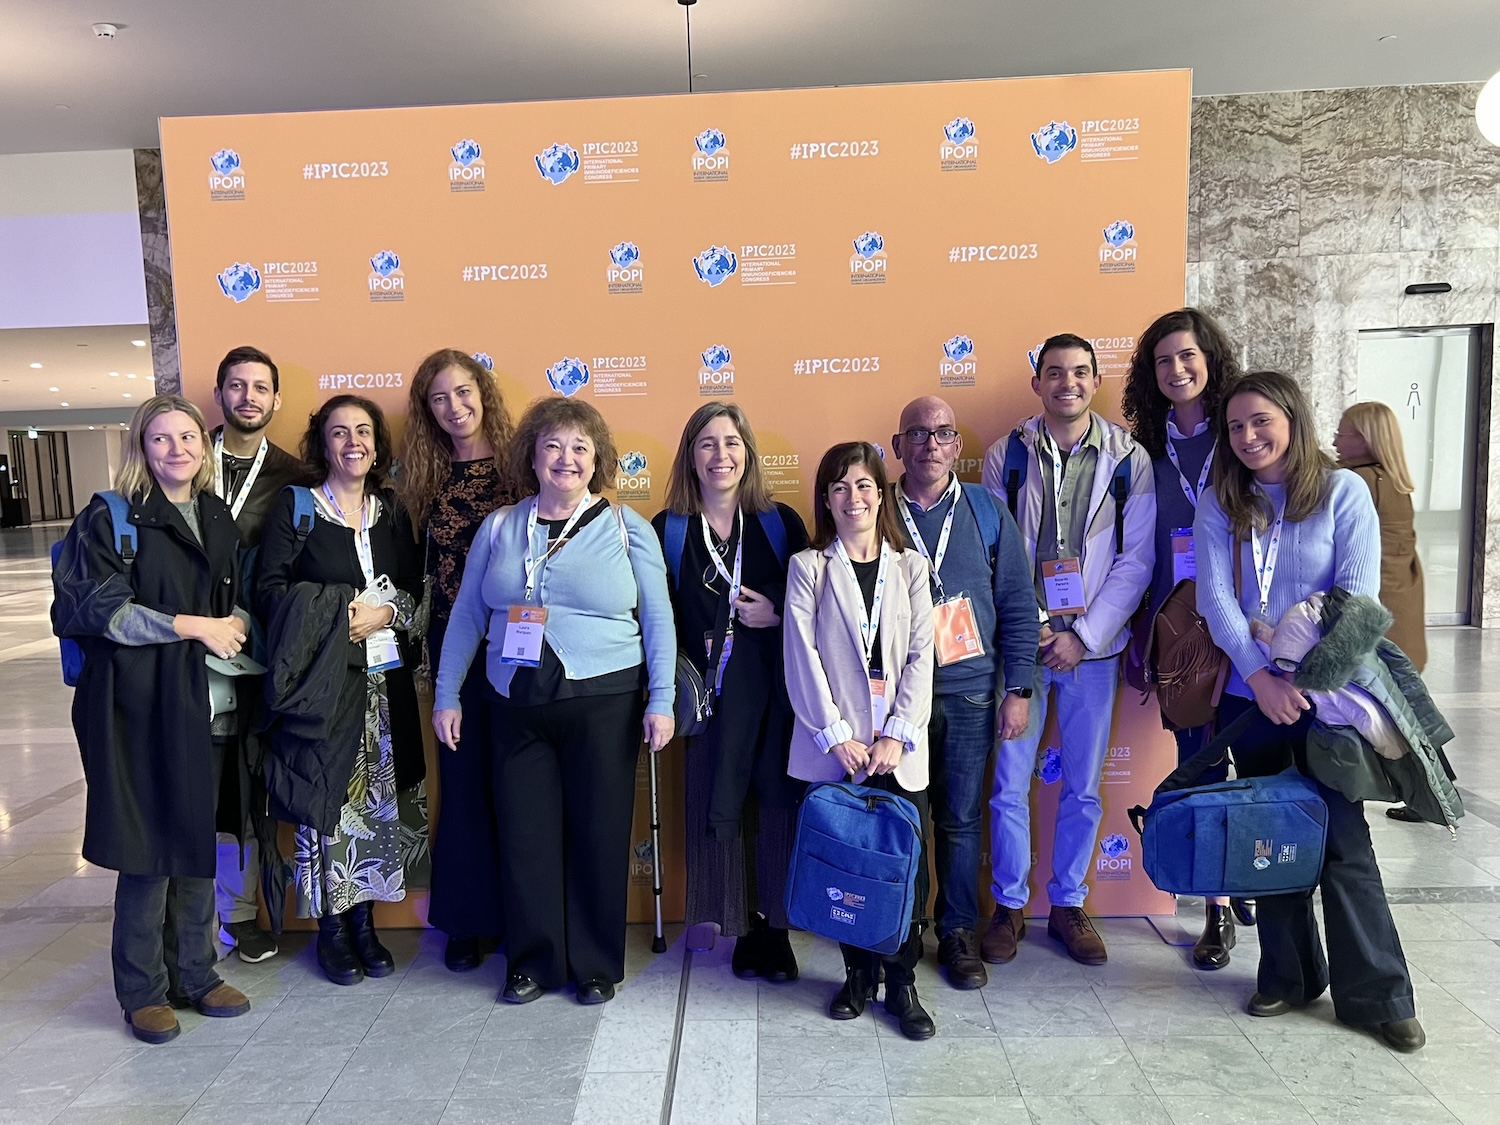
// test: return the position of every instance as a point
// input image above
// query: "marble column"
(156, 254)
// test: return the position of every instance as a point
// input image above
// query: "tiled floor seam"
(669, 1089)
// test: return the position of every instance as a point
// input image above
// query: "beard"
(240, 426)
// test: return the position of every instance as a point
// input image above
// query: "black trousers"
(152, 959)
(465, 898)
(900, 967)
(1367, 973)
(565, 799)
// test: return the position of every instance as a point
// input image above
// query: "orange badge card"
(955, 630)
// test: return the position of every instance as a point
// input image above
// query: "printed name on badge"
(1062, 579)
(525, 627)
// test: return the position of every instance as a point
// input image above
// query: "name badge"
(1062, 580)
(382, 653)
(880, 705)
(955, 630)
(1262, 633)
(1184, 556)
(525, 626)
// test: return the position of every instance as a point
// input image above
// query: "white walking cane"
(659, 943)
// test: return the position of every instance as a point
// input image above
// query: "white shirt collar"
(1174, 432)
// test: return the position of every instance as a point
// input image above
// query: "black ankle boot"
(1212, 949)
(375, 958)
(901, 1001)
(1243, 910)
(849, 1003)
(750, 950)
(336, 955)
(778, 962)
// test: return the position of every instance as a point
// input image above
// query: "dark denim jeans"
(139, 952)
(960, 736)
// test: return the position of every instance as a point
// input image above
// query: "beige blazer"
(826, 676)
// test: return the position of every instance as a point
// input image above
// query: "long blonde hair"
(684, 495)
(1376, 423)
(1240, 495)
(134, 474)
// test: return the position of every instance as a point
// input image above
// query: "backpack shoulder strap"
(303, 513)
(1014, 476)
(982, 504)
(676, 543)
(775, 528)
(1119, 487)
(119, 518)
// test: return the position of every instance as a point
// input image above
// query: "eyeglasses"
(947, 435)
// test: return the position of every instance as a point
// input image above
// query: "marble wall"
(156, 253)
(1309, 212)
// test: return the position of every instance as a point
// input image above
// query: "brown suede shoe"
(1001, 940)
(1071, 926)
(223, 1002)
(155, 1023)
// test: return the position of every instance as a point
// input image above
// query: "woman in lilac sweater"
(1301, 526)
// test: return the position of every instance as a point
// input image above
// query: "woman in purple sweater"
(1301, 526)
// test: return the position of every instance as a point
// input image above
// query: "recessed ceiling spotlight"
(36, 366)
(114, 374)
(125, 395)
(130, 375)
(52, 389)
(139, 343)
(91, 427)
(124, 425)
(62, 404)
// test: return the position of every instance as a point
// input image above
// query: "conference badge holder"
(955, 630)
(382, 653)
(1184, 556)
(525, 626)
(880, 704)
(1062, 580)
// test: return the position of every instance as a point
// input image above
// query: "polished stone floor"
(1142, 1039)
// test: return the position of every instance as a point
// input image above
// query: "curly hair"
(549, 416)
(427, 449)
(315, 453)
(1144, 406)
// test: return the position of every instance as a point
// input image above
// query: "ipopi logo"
(867, 263)
(1049, 765)
(642, 861)
(625, 273)
(633, 480)
(959, 151)
(958, 367)
(716, 265)
(240, 282)
(1114, 858)
(557, 162)
(466, 172)
(716, 376)
(226, 184)
(485, 360)
(568, 376)
(710, 157)
(386, 281)
(1034, 357)
(1054, 140)
(1117, 253)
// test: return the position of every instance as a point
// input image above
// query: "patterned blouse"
(473, 491)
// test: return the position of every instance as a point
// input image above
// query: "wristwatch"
(1019, 692)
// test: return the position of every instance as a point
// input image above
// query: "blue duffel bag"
(1248, 837)
(853, 876)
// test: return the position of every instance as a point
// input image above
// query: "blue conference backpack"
(1245, 837)
(119, 518)
(675, 540)
(853, 876)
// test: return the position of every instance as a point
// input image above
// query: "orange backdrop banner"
(821, 256)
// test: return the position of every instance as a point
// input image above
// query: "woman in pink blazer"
(858, 647)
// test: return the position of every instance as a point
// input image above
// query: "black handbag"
(695, 703)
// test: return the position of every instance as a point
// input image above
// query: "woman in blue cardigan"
(1301, 526)
(571, 592)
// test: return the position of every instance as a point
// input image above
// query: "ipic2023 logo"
(466, 172)
(710, 157)
(1054, 140)
(716, 376)
(625, 273)
(958, 367)
(226, 184)
(867, 263)
(387, 282)
(1117, 251)
(959, 151)
(568, 376)
(716, 265)
(557, 162)
(1113, 863)
(633, 480)
(240, 282)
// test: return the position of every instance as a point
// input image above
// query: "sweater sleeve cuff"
(829, 737)
(903, 732)
(662, 702)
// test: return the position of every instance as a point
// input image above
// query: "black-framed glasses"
(945, 435)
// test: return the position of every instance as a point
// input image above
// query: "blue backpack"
(1013, 478)
(676, 539)
(119, 518)
(853, 875)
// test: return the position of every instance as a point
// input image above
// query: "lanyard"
(362, 540)
(739, 559)
(1057, 479)
(237, 503)
(532, 562)
(1208, 464)
(1265, 558)
(869, 622)
(936, 559)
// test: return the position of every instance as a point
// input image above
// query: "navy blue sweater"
(1172, 507)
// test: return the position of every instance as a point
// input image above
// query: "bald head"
(929, 412)
(928, 463)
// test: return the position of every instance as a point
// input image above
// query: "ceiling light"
(52, 389)
(123, 425)
(91, 427)
(139, 343)
(36, 366)
(1487, 110)
(114, 374)
(130, 375)
(125, 395)
(62, 404)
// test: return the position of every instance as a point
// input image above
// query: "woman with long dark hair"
(1300, 526)
(453, 474)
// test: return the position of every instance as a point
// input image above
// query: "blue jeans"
(959, 736)
(1085, 708)
(139, 952)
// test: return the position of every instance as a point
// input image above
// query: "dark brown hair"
(246, 354)
(1145, 407)
(835, 464)
(315, 453)
(549, 415)
(684, 493)
(1065, 340)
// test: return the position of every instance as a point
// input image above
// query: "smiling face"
(930, 463)
(854, 501)
(563, 461)
(174, 448)
(248, 397)
(454, 401)
(1260, 433)
(349, 445)
(1181, 368)
(1065, 383)
(719, 457)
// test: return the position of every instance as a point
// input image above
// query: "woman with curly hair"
(453, 474)
(1178, 374)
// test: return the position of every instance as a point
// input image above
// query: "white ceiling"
(188, 57)
(78, 362)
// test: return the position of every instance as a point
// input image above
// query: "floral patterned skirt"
(363, 860)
